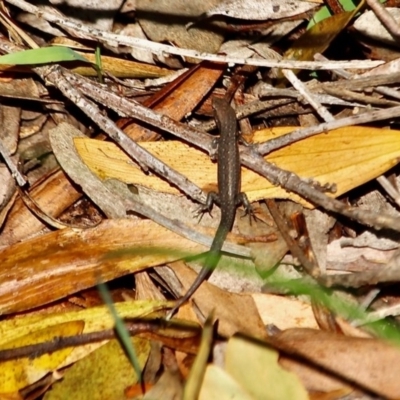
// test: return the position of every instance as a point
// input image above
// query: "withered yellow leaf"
(122, 68)
(347, 157)
(319, 37)
(18, 373)
(94, 319)
(103, 374)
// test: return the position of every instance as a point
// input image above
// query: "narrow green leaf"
(99, 65)
(122, 332)
(43, 55)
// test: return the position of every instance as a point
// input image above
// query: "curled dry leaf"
(111, 381)
(57, 264)
(53, 196)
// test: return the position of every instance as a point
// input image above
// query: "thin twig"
(389, 188)
(134, 328)
(302, 133)
(307, 95)
(11, 166)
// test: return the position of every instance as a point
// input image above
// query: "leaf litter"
(128, 220)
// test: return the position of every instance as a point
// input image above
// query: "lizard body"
(229, 195)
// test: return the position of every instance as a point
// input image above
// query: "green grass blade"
(122, 332)
(43, 55)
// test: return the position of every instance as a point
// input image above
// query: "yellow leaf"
(121, 68)
(95, 319)
(347, 157)
(18, 373)
(103, 374)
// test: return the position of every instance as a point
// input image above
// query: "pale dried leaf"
(261, 9)
(265, 379)
(284, 312)
(369, 25)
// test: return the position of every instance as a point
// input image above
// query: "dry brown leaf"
(178, 98)
(54, 196)
(185, 96)
(160, 24)
(370, 363)
(57, 264)
(315, 379)
(229, 308)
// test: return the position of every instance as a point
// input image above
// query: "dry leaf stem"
(307, 95)
(267, 91)
(361, 98)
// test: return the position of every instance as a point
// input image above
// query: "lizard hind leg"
(248, 209)
(212, 198)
